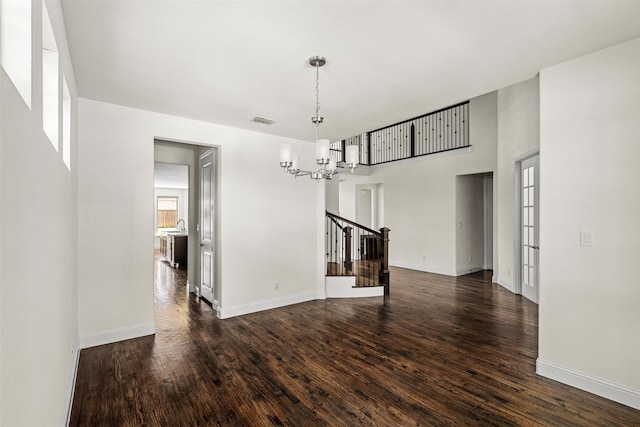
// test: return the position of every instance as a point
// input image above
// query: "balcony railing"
(436, 132)
(355, 250)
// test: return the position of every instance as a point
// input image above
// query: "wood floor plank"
(439, 351)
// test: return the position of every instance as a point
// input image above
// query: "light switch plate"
(586, 238)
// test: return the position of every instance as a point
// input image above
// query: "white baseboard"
(191, 287)
(419, 267)
(469, 270)
(116, 335)
(505, 284)
(239, 310)
(607, 389)
(422, 267)
(436, 270)
(71, 388)
(343, 287)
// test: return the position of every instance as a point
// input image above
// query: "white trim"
(215, 304)
(191, 288)
(469, 270)
(607, 389)
(71, 388)
(516, 286)
(116, 335)
(527, 154)
(239, 310)
(504, 283)
(486, 224)
(420, 267)
(321, 260)
(344, 287)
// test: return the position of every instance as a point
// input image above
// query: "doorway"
(171, 212)
(474, 223)
(528, 226)
(173, 154)
(364, 211)
(370, 205)
(175, 166)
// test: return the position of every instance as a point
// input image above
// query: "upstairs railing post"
(348, 261)
(384, 264)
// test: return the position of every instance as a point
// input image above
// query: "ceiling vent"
(263, 120)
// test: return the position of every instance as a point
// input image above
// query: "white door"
(529, 202)
(206, 221)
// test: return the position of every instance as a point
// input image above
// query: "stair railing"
(367, 259)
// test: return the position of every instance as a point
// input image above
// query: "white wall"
(518, 134)
(265, 236)
(420, 194)
(38, 248)
(590, 296)
(347, 198)
(332, 195)
(469, 223)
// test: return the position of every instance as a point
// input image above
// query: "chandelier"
(327, 165)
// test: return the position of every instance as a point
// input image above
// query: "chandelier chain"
(317, 90)
(317, 101)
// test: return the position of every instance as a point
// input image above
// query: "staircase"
(357, 259)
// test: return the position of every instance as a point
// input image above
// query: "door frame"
(217, 295)
(517, 206)
(488, 220)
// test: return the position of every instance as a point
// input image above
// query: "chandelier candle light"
(328, 167)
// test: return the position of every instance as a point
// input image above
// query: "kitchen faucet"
(178, 225)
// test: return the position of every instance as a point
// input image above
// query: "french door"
(529, 229)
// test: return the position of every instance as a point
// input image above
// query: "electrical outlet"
(424, 257)
(470, 258)
(276, 286)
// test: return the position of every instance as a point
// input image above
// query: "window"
(50, 84)
(167, 212)
(66, 124)
(15, 44)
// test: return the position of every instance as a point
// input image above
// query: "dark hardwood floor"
(439, 351)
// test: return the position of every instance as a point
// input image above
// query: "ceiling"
(228, 61)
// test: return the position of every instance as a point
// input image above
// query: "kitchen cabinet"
(173, 247)
(178, 251)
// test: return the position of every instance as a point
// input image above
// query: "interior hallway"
(440, 351)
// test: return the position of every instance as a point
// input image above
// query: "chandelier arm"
(302, 173)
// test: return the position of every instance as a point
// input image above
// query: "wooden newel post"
(384, 264)
(348, 262)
